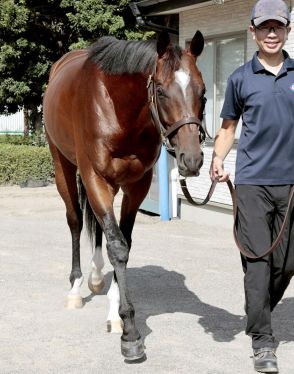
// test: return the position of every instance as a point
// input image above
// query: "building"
(228, 44)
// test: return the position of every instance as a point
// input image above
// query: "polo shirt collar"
(258, 67)
(256, 64)
(289, 62)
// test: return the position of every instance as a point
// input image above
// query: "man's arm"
(223, 143)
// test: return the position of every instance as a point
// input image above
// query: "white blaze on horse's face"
(183, 79)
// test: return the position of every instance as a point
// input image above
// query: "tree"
(35, 33)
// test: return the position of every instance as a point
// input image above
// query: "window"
(218, 60)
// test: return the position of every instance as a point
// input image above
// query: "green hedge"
(22, 164)
(37, 139)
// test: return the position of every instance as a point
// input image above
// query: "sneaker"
(265, 360)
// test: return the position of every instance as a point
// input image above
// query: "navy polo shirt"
(265, 154)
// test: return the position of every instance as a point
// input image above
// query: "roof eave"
(161, 7)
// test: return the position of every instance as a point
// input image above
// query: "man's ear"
(252, 30)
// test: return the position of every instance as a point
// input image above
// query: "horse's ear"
(197, 44)
(163, 42)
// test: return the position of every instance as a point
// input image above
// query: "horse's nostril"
(182, 158)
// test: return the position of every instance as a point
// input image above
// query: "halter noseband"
(166, 133)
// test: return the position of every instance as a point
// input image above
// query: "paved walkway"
(185, 282)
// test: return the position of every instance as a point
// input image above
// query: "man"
(262, 93)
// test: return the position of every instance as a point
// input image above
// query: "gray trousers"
(261, 210)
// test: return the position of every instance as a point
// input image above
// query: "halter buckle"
(149, 81)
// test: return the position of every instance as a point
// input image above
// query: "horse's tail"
(89, 216)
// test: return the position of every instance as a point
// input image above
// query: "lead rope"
(189, 197)
(278, 239)
(235, 211)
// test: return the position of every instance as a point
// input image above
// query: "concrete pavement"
(185, 282)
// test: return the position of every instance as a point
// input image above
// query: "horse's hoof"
(115, 327)
(95, 288)
(74, 302)
(132, 351)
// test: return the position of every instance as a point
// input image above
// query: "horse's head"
(178, 92)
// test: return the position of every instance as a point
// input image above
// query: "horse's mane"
(115, 56)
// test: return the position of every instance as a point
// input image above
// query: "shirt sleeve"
(233, 105)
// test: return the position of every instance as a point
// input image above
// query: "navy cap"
(265, 10)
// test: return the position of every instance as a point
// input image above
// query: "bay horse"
(106, 109)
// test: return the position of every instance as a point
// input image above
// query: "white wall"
(215, 20)
(12, 124)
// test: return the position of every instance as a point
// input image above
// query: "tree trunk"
(35, 119)
(26, 130)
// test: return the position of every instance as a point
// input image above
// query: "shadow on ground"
(155, 291)
(283, 317)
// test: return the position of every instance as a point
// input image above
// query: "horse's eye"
(160, 92)
(204, 100)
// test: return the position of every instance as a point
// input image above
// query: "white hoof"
(95, 288)
(74, 302)
(115, 327)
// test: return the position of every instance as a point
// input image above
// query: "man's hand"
(223, 143)
(216, 171)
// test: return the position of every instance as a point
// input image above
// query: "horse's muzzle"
(189, 166)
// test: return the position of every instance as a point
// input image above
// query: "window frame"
(214, 39)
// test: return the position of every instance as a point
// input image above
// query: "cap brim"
(258, 21)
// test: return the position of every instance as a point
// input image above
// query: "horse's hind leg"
(96, 277)
(65, 178)
(96, 284)
(114, 322)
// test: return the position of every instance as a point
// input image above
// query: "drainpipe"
(163, 179)
(176, 203)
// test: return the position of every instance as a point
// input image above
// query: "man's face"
(270, 36)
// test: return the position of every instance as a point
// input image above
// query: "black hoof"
(133, 351)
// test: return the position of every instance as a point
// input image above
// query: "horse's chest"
(127, 169)
(127, 156)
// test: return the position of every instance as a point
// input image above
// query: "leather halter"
(167, 133)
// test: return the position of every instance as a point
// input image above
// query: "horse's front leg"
(118, 252)
(134, 194)
(101, 196)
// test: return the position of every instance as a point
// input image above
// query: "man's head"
(265, 10)
(270, 25)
